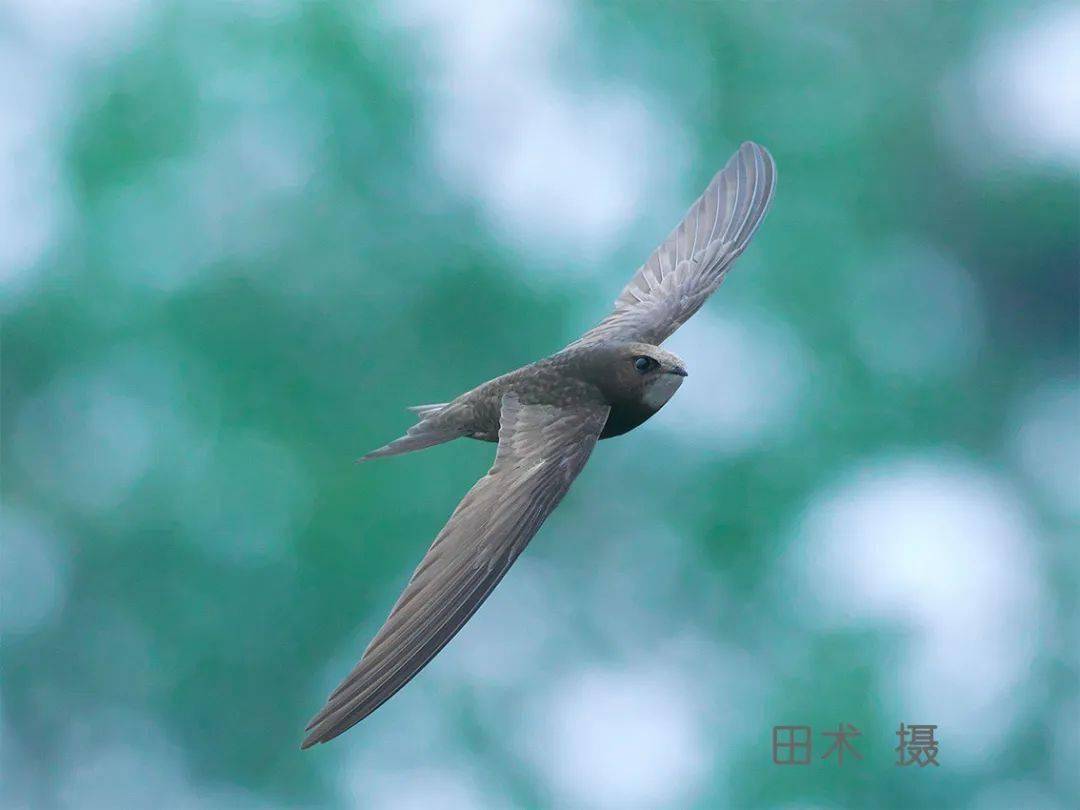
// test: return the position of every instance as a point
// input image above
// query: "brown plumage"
(547, 417)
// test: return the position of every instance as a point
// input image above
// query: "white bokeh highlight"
(417, 761)
(33, 199)
(85, 440)
(747, 381)
(946, 552)
(48, 46)
(33, 571)
(620, 738)
(420, 788)
(1045, 441)
(915, 313)
(560, 169)
(1016, 103)
(117, 757)
(1028, 84)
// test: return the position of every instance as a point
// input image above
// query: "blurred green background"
(237, 239)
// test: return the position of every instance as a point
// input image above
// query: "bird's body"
(546, 418)
(577, 374)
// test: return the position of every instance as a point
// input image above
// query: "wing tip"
(767, 160)
(313, 734)
(758, 163)
(754, 146)
(753, 151)
(319, 732)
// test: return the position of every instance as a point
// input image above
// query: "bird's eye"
(644, 364)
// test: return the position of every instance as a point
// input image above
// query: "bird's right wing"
(688, 267)
(541, 450)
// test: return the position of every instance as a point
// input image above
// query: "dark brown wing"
(688, 267)
(541, 450)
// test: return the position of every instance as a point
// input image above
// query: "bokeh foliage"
(261, 260)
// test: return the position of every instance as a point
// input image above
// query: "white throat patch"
(659, 391)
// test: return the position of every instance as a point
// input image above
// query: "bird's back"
(551, 381)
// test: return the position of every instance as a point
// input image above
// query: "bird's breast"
(624, 418)
(627, 415)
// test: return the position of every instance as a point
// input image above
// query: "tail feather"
(424, 411)
(427, 432)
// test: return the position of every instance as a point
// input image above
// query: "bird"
(546, 418)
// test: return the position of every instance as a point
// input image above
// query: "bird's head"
(647, 374)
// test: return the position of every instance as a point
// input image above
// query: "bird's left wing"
(688, 267)
(541, 450)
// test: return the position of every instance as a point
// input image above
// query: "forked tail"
(428, 431)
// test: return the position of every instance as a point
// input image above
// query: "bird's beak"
(678, 370)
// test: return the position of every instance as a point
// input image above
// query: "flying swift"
(546, 418)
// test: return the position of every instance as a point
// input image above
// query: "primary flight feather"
(547, 418)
